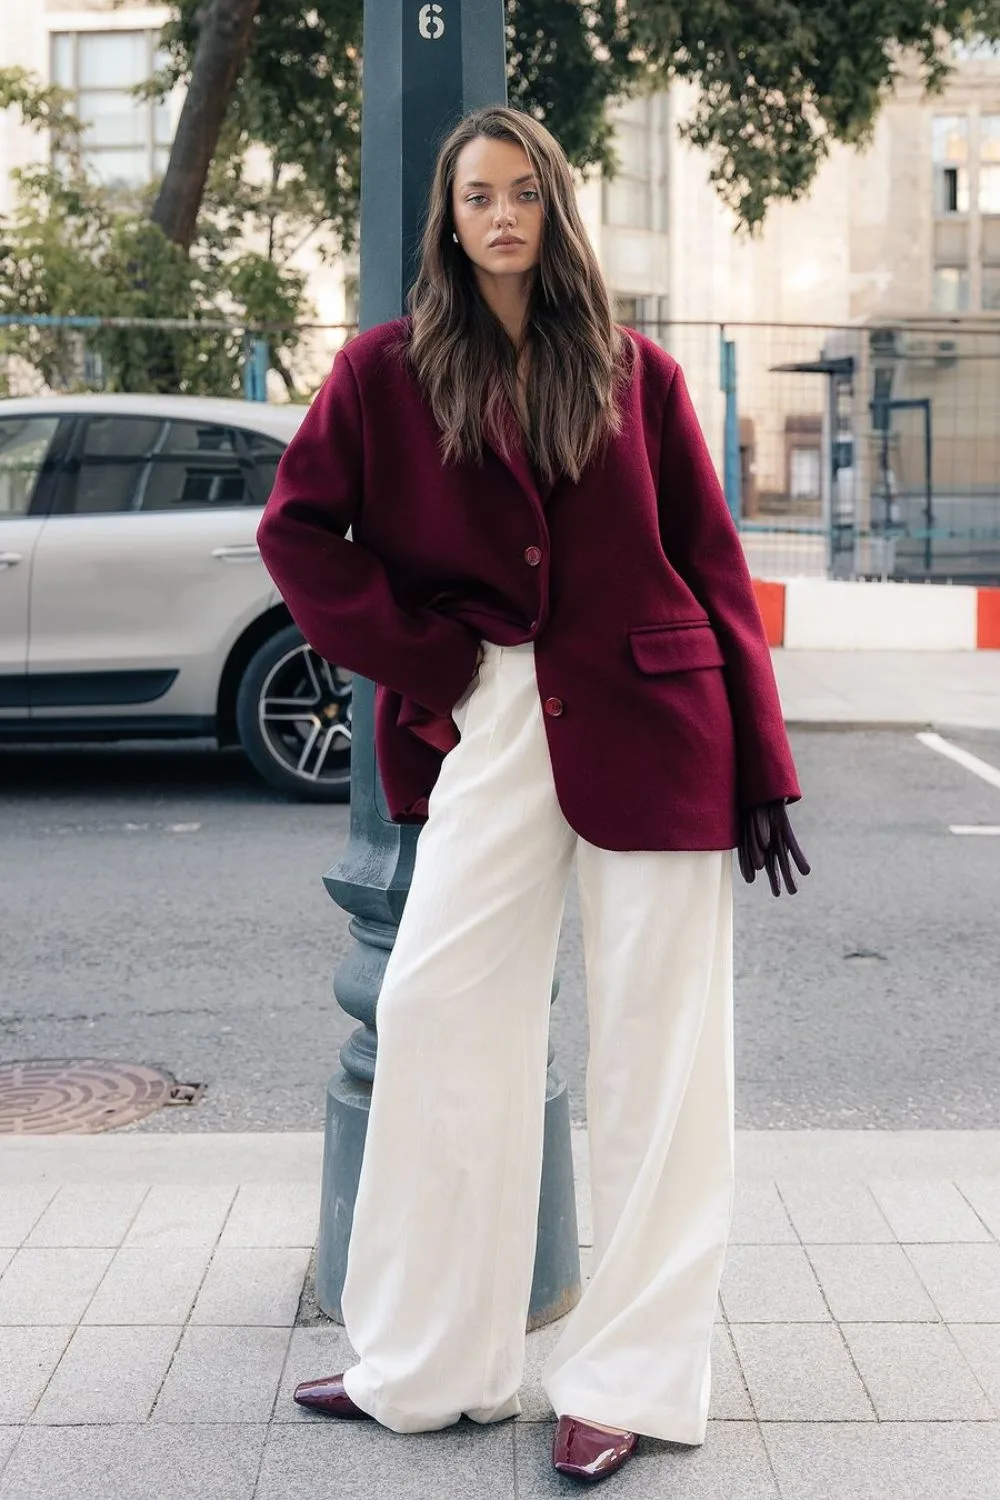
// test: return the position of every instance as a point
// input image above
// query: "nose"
(504, 214)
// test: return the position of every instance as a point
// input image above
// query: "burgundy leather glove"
(766, 842)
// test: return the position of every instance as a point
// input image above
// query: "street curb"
(821, 614)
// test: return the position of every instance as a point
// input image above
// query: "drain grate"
(79, 1096)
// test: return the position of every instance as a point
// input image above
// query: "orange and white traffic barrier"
(820, 614)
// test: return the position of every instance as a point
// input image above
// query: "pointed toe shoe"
(329, 1397)
(589, 1453)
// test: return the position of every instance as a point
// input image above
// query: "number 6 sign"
(431, 22)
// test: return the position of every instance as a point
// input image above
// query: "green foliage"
(72, 247)
(778, 80)
(299, 94)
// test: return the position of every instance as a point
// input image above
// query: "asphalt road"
(160, 906)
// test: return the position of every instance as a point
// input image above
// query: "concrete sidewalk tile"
(133, 1463)
(189, 1215)
(886, 1460)
(21, 1207)
(916, 1373)
(800, 1373)
(980, 1343)
(964, 1280)
(89, 1216)
(984, 1195)
(27, 1358)
(223, 1375)
(535, 1405)
(248, 1288)
(730, 1399)
(313, 1352)
(6, 1256)
(50, 1286)
(760, 1217)
(732, 1462)
(149, 1286)
(834, 1213)
(273, 1216)
(108, 1375)
(770, 1284)
(871, 1284)
(930, 1212)
(367, 1462)
(8, 1437)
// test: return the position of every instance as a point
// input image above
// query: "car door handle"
(8, 559)
(241, 552)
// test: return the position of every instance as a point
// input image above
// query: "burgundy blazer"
(655, 679)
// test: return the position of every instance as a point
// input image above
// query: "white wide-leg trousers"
(442, 1248)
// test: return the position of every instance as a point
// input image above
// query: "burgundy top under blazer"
(655, 679)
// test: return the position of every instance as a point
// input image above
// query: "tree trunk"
(223, 43)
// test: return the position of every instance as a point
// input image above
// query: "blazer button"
(533, 556)
(553, 707)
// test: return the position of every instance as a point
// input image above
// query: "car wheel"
(293, 716)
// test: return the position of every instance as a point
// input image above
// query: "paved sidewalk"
(916, 689)
(154, 1299)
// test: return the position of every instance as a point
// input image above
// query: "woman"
(545, 583)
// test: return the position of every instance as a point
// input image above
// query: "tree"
(72, 247)
(223, 39)
(777, 81)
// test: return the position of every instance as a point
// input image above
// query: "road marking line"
(970, 762)
(987, 828)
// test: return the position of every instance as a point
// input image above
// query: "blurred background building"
(845, 362)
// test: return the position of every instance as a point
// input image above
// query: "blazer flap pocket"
(675, 648)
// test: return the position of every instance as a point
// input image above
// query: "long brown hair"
(464, 358)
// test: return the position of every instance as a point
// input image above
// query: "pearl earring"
(454, 236)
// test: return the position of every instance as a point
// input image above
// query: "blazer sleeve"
(702, 543)
(338, 592)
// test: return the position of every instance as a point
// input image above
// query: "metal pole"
(425, 65)
(929, 483)
(731, 468)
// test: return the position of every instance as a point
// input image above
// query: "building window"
(126, 140)
(989, 164)
(636, 197)
(991, 288)
(951, 164)
(951, 288)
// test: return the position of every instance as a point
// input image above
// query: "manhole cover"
(56, 1096)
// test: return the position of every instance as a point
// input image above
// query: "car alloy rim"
(304, 711)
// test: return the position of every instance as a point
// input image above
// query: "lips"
(507, 243)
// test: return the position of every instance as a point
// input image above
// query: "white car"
(133, 600)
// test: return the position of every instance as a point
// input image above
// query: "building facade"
(905, 230)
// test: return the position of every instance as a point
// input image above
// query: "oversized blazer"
(655, 681)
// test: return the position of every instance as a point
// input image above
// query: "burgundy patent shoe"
(588, 1453)
(329, 1397)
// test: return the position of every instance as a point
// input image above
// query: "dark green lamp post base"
(556, 1285)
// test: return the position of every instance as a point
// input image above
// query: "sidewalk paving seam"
(187, 1321)
(958, 1188)
(90, 1299)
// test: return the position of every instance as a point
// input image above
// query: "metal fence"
(869, 451)
(206, 357)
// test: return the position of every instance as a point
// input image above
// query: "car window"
(151, 463)
(266, 453)
(24, 442)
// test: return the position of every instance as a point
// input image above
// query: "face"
(497, 207)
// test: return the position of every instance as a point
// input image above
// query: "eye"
(531, 193)
(476, 198)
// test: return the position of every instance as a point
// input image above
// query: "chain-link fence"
(207, 357)
(870, 451)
